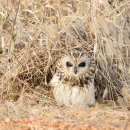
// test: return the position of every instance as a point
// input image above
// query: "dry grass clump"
(34, 34)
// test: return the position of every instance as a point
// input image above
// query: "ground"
(53, 124)
(99, 117)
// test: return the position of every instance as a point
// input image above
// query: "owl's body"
(73, 82)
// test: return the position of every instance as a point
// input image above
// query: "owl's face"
(75, 63)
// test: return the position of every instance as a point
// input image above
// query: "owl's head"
(75, 63)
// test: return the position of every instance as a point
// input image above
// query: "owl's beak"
(75, 69)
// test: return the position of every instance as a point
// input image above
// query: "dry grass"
(35, 33)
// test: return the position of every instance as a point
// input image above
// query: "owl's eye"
(68, 64)
(82, 64)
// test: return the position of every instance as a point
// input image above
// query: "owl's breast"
(72, 95)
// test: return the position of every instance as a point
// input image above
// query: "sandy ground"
(101, 117)
(54, 124)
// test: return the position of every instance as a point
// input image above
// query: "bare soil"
(100, 117)
(53, 124)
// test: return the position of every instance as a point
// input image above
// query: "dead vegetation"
(35, 33)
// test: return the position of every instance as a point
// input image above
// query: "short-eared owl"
(73, 82)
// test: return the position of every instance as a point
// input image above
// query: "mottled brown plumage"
(73, 82)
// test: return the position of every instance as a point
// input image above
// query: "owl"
(73, 82)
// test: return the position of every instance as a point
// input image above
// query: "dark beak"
(75, 70)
